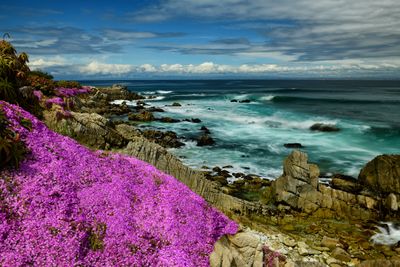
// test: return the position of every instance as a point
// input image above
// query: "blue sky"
(207, 38)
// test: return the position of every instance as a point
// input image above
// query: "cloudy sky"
(207, 38)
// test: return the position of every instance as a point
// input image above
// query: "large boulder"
(382, 174)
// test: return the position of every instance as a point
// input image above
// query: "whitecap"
(389, 234)
(267, 98)
(163, 92)
(148, 93)
(157, 98)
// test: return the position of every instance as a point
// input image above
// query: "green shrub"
(12, 149)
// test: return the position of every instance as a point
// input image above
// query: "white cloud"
(47, 62)
(327, 69)
(97, 68)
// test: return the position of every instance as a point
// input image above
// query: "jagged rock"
(205, 140)
(176, 104)
(382, 174)
(127, 131)
(345, 183)
(116, 92)
(167, 139)
(321, 127)
(293, 145)
(142, 116)
(296, 166)
(90, 129)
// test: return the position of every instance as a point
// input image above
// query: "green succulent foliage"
(12, 149)
(13, 71)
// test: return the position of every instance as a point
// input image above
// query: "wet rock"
(155, 109)
(167, 139)
(176, 104)
(345, 183)
(234, 101)
(142, 116)
(225, 173)
(321, 127)
(205, 130)
(194, 120)
(227, 167)
(168, 120)
(140, 103)
(205, 140)
(382, 174)
(245, 101)
(293, 145)
(216, 169)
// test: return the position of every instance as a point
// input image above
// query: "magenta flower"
(67, 205)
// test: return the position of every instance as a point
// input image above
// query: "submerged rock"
(322, 127)
(168, 120)
(205, 140)
(293, 145)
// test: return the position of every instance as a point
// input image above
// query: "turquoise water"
(250, 136)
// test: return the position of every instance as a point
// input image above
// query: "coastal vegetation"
(63, 204)
(97, 203)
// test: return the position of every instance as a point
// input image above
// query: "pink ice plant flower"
(67, 206)
(55, 100)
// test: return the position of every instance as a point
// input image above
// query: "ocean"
(251, 136)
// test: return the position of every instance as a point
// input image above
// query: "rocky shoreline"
(291, 221)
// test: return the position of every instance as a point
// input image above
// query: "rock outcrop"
(298, 189)
(91, 129)
(382, 174)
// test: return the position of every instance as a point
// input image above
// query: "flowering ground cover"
(67, 205)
